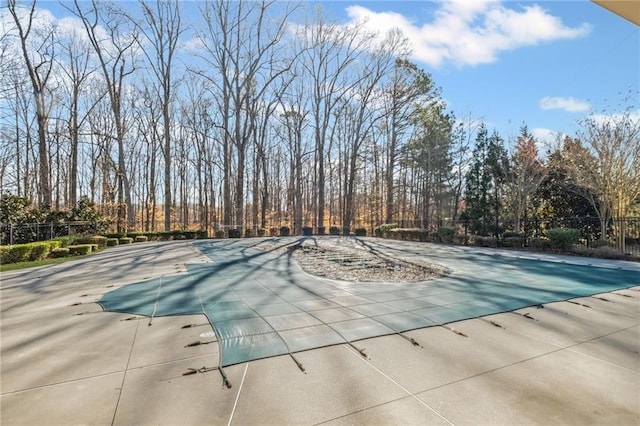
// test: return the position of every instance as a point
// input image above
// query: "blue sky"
(546, 64)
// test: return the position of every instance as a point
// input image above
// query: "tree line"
(242, 120)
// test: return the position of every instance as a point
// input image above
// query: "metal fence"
(32, 232)
(621, 233)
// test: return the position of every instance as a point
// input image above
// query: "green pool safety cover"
(261, 303)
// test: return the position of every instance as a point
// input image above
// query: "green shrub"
(67, 240)
(446, 234)
(383, 230)
(159, 236)
(394, 234)
(274, 232)
(141, 239)
(361, 232)
(176, 234)
(485, 241)
(606, 252)
(163, 236)
(59, 252)
(461, 239)
(116, 235)
(235, 233)
(100, 240)
(93, 239)
(514, 242)
(125, 240)
(189, 235)
(262, 232)
(16, 253)
(112, 242)
(346, 231)
(41, 250)
(434, 237)
(408, 234)
(28, 252)
(563, 238)
(334, 230)
(202, 234)
(79, 249)
(248, 233)
(220, 233)
(4, 253)
(511, 234)
(307, 230)
(284, 231)
(321, 230)
(581, 250)
(539, 243)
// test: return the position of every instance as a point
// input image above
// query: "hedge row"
(28, 252)
(565, 240)
(78, 245)
(32, 252)
(161, 235)
(285, 231)
(62, 247)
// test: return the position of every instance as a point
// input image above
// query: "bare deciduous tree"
(242, 45)
(39, 63)
(162, 31)
(328, 51)
(113, 44)
(75, 64)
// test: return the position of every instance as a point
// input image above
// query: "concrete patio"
(66, 361)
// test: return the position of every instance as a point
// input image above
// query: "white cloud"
(630, 116)
(567, 104)
(471, 32)
(548, 140)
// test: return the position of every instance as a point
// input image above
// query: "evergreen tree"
(484, 182)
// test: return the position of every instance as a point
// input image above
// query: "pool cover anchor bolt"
(130, 318)
(298, 363)
(411, 340)
(198, 343)
(87, 313)
(458, 332)
(623, 295)
(362, 351)
(495, 324)
(578, 303)
(225, 379)
(194, 325)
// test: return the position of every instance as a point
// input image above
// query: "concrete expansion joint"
(124, 376)
(407, 391)
(62, 382)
